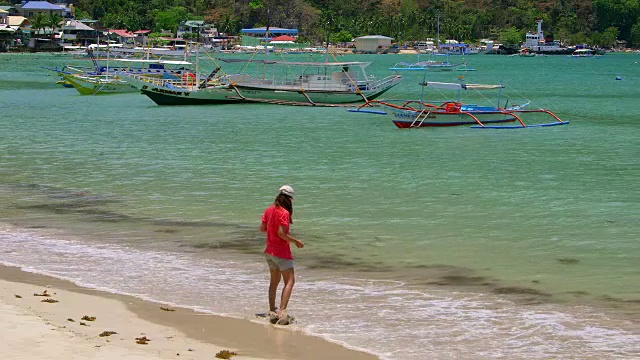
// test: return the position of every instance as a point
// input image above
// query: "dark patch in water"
(36, 226)
(459, 280)
(517, 290)
(535, 281)
(619, 300)
(166, 231)
(170, 223)
(578, 293)
(568, 261)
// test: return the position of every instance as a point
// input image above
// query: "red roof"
(283, 38)
(142, 32)
(121, 33)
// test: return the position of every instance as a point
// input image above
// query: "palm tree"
(54, 20)
(38, 22)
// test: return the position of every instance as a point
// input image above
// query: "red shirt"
(274, 217)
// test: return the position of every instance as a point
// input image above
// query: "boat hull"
(89, 86)
(163, 95)
(404, 118)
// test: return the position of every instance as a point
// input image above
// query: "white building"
(372, 44)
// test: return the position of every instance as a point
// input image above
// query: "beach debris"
(568, 261)
(17, 296)
(189, 349)
(71, 320)
(88, 318)
(143, 340)
(225, 354)
(166, 309)
(51, 301)
(83, 324)
(107, 333)
(44, 293)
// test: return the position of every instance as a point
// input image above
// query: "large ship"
(537, 43)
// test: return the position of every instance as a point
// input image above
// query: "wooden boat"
(417, 113)
(279, 82)
(98, 84)
(429, 65)
(109, 79)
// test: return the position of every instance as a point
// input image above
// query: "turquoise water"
(466, 233)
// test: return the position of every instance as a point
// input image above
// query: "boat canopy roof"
(458, 86)
(151, 61)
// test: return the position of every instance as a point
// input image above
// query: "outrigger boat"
(429, 65)
(109, 79)
(281, 82)
(417, 113)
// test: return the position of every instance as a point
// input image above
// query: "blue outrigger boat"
(418, 113)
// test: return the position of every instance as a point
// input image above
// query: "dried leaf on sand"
(225, 354)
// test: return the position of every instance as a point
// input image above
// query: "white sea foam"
(389, 318)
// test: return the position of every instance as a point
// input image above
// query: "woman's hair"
(284, 201)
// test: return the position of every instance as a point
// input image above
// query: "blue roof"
(41, 5)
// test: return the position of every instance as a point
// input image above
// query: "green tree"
(38, 22)
(170, 19)
(342, 36)
(54, 21)
(609, 36)
(510, 36)
(635, 35)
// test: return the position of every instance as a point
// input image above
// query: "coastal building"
(122, 36)
(372, 44)
(33, 8)
(11, 10)
(259, 35)
(141, 36)
(77, 32)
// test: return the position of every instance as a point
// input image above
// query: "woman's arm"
(284, 236)
(263, 227)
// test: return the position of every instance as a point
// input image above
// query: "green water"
(467, 233)
(552, 209)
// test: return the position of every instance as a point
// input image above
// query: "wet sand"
(33, 329)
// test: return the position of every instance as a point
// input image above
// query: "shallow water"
(452, 242)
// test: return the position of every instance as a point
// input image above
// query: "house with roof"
(372, 44)
(33, 8)
(11, 10)
(256, 36)
(122, 36)
(75, 31)
(198, 31)
(141, 36)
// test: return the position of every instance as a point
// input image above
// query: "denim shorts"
(276, 263)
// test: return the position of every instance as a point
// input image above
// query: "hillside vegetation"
(595, 22)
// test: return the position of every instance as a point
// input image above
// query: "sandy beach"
(42, 318)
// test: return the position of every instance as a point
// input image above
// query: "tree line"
(594, 22)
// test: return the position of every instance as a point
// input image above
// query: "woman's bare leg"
(289, 280)
(273, 287)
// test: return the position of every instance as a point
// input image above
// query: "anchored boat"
(278, 82)
(418, 113)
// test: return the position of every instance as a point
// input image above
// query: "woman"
(275, 222)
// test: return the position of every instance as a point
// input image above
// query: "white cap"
(287, 190)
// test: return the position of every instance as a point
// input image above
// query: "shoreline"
(171, 332)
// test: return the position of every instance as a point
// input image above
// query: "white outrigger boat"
(110, 79)
(280, 82)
